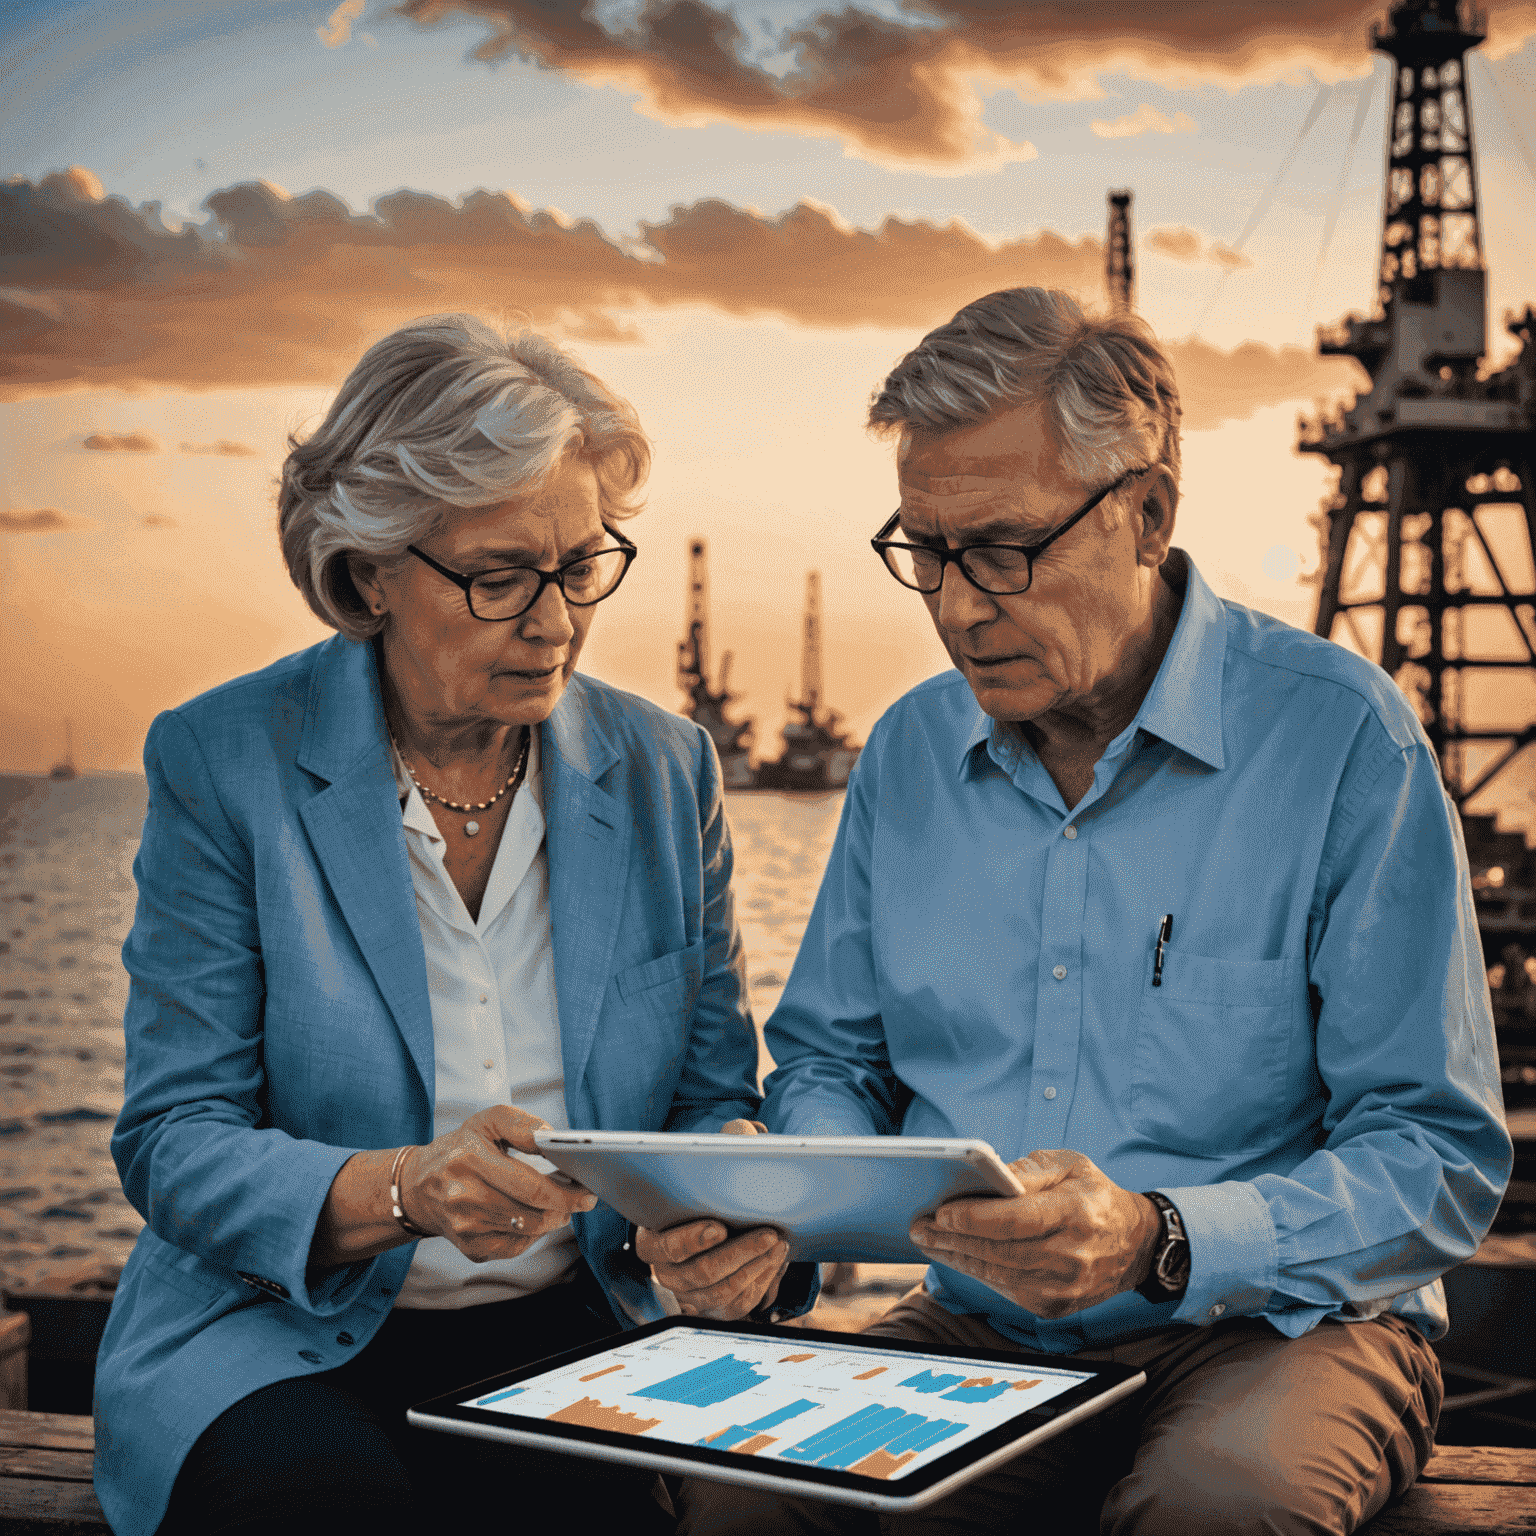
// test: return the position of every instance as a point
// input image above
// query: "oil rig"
(1426, 545)
(707, 701)
(817, 755)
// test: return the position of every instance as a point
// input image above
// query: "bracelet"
(397, 1210)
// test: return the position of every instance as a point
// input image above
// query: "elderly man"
(1165, 900)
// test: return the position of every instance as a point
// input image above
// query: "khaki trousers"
(1238, 1430)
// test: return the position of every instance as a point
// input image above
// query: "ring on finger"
(517, 1223)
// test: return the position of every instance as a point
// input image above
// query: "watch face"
(1173, 1265)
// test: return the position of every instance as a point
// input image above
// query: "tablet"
(875, 1422)
(834, 1197)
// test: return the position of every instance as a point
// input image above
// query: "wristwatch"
(1169, 1276)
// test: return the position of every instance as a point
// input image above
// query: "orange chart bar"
(791, 1359)
(867, 1374)
(595, 1415)
(606, 1371)
(754, 1445)
(879, 1464)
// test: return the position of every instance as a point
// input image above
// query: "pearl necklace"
(471, 828)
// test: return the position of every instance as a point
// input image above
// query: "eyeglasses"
(510, 591)
(996, 569)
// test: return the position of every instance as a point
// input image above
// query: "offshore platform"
(817, 755)
(1427, 543)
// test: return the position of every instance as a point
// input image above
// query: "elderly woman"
(404, 898)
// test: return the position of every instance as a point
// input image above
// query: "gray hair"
(1111, 399)
(445, 412)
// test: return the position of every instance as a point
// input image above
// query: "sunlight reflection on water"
(66, 903)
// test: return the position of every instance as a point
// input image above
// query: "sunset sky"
(739, 215)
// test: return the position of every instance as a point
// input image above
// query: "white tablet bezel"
(1111, 1383)
(624, 1168)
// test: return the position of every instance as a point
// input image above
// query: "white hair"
(1111, 398)
(445, 412)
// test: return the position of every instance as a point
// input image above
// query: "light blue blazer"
(278, 1020)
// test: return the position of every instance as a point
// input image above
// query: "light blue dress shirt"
(1314, 1084)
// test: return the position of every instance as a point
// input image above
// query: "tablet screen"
(874, 1412)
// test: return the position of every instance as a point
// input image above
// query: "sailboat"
(65, 767)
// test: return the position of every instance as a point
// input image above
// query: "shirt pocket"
(1208, 1068)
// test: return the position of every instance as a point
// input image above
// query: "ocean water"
(66, 904)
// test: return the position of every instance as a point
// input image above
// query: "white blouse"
(495, 1024)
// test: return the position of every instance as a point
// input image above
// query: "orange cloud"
(1145, 119)
(1217, 386)
(1177, 241)
(121, 442)
(295, 286)
(906, 92)
(1181, 243)
(45, 520)
(224, 448)
(337, 31)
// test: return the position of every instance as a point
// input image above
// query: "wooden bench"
(45, 1486)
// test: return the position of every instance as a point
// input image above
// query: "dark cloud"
(121, 442)
(223, 448)
(907, 91)
(288, 290)
(45, 520)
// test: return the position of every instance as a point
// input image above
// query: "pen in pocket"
(1164, 933)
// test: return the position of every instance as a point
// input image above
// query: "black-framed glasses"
(999, 570)
(510, 591)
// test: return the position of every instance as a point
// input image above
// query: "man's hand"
(1070, 1241)
(710, 1276)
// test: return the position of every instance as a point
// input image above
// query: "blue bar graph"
(926, 1381)
(496, 1397)
(739, 1432)
(706, 1384)
(871, 1429)
(921, 1438)
(978, 1394)
(877, 1438)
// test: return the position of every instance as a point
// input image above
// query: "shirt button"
(484, 997)
(1069, 833)
(1050, 1093)
(1218, 1309)
(1060, 973)
(488, 1064)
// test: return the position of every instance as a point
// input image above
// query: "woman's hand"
(711, 1273)
(462, 1186)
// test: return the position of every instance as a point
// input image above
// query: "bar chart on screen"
(847, 1406)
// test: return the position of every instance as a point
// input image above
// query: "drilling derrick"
(707, 704)
(810, 645)
(1119, 261)
(817, 755)
(1427, 542)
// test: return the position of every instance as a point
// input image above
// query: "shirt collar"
(1183, 705)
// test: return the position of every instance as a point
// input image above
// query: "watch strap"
(1168, 1278)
